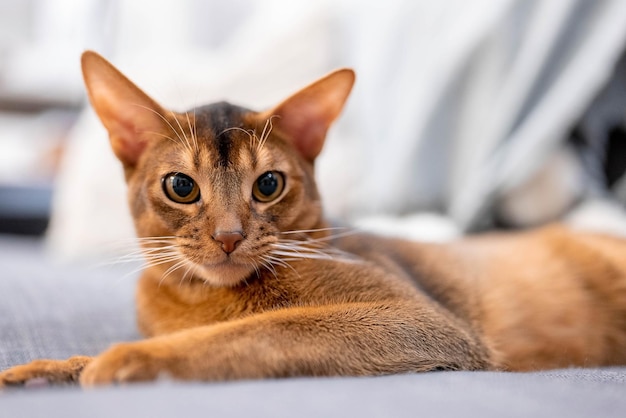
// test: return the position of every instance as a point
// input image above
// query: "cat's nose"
(228, 240)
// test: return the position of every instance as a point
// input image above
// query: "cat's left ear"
(304, 118)
(130, 115)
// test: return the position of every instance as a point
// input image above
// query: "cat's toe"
(22, 374)
(43, 372)
(123, 363)
(8, 378)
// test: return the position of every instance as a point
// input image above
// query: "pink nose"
(229, 240)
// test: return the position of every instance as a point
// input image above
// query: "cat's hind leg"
(50, 371)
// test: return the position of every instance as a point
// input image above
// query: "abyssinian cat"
(246, 279)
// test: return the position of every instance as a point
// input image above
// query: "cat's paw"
(44, 371)
(123, 363)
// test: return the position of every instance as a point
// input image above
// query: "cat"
(246, 279)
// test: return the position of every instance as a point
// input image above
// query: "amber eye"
(268, 186)
(181, 188)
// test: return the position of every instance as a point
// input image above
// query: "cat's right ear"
(306, 116)
(125, 111)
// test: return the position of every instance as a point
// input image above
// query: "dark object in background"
(25, 209)
(600, 135)
(615, 162)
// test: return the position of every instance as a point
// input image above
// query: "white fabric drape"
(456, 102)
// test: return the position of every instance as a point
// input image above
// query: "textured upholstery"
(54, 311)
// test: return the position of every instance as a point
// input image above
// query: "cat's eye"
(181, 188)
(268, 186)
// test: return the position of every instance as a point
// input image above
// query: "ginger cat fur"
(246, 279)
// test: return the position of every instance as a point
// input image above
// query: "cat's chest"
(163, 308)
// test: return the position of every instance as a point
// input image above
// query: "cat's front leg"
(349, 339)
(52, 371)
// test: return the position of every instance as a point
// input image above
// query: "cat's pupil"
(182, 185)
(267, 184)
(181, 188)
(268, 187)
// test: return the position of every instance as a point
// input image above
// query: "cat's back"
(545, 298)
(553, 298)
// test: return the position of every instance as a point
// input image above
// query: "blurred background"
(466, 116)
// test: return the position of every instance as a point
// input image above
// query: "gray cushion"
(54, 311)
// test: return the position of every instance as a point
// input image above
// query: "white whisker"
(300, 255)
(182, 131)
(299, 252)
(281, 262)
(237, 128)
(157, 237)
(309, 249)
(183, 142)
(276, 260)
(267, 130)
(269, 265)
(307, 231)
(189, 269)
(161, 261)
(255, 266)
(192, 131)
(172, 269)
(162, 136)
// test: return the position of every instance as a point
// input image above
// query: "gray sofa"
(54, 311)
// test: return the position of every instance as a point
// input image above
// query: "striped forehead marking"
(215, 121)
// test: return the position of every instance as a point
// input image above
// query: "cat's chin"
(225, 274)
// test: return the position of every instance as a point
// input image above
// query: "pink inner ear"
(128, 151)
(306, 126)
(306, 116)
(126, 139)
(125, 111)
(128, 115)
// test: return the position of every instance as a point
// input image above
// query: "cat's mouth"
(225, 273)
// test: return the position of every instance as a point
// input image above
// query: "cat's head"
(219, 191)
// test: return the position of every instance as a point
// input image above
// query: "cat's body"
(560, 302)
(247, 280)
